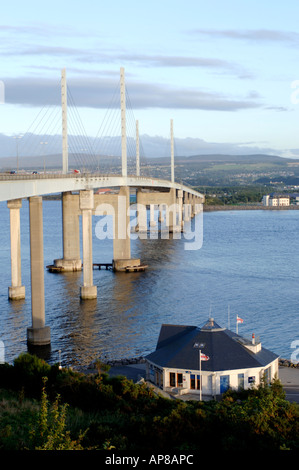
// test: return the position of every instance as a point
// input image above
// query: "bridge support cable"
(65, 161)
(124, 169)
(48, 131)
(134, 142)
(117, 131)
(79, 144)
(45, 127)
(106, 144)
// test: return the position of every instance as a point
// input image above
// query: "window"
(159, 378)
(267, 373)
(175, 380)
(198, 382)
(240, 381)
(194, 382)
(224, 383)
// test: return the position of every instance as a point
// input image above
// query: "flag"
(203, 357)
(239, 320)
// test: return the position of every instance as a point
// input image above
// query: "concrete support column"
(71, 260)
(180, 204)
(16, 291)
(196, 205)
(88, 290)
(121, 237)
(142, 214)
(192, 197)
(186, 214)
(173, 213)
(161, 218)
(152, 215)
(39, 333)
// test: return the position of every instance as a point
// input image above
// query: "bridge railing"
(27, 176)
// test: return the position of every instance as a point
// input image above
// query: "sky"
(226, 73)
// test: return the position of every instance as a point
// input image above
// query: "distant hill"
(255, 158)
(223, 158)
(55, 161)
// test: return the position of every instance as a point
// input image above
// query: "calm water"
(248, 265)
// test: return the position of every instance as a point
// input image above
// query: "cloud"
(91, 55)
(256, 35)
(214, 64)
(96, 57)
(43, 30)
(95, 93)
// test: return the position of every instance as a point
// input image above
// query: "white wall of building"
(211, 381)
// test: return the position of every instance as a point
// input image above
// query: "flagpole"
(200, 374)
(237, 325)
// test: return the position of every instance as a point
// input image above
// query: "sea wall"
(246, 207)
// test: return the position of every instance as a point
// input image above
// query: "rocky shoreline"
(126, 361)
(116, 363)
(141, 360)
(288, 363)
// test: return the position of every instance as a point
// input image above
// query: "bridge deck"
(21, 186)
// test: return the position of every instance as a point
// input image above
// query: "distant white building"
(208, 361)
(276, 200)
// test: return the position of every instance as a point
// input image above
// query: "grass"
(16, 416)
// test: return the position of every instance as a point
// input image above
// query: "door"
(172, 379)
(224, 383)
(179, 380)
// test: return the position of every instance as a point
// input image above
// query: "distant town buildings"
(280, 200)
(276, 200)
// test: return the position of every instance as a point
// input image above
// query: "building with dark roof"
(208, 360)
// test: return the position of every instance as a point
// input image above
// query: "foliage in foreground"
(43, 407)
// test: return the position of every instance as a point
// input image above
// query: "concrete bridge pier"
(121, 236)
(71, 260)
(86, 201)
(39, 333)
(16, 291)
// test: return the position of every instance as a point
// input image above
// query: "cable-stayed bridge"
(85, 193)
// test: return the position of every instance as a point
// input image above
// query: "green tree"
(50, 431)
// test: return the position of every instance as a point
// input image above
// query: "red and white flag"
(203, 357)
(239, 320)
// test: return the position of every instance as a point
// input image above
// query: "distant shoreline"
(246, 207)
